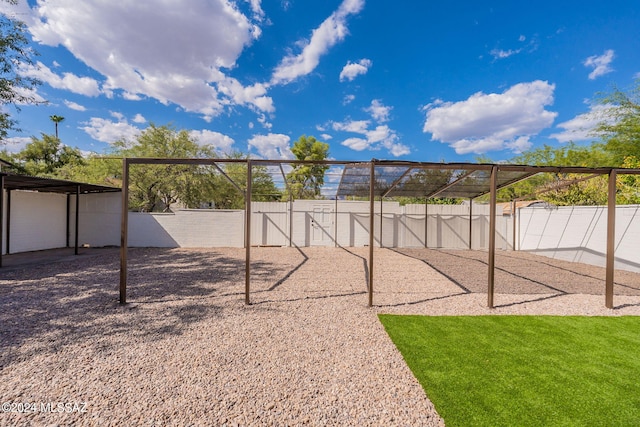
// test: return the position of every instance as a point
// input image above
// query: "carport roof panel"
(49, 185)
(479, 182)
(419, 180)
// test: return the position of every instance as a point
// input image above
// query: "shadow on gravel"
(525, 274)
(311, 297)
(47, 307)
(280, 281)
(401, 304)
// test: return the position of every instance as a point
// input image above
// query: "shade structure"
(453, 180)
(50, 185)
(10, 182)
(387, 178)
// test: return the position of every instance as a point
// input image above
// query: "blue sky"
(424, 81)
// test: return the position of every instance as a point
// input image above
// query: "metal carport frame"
(11, 182)
(361, 179)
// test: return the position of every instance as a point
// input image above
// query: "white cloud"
(262, 119)
(274, 146)
(253, 95)
(258, 13)
(396, 149)
(334, 174)
(128, 43)
(139, 118)
(117, 115)
(348, 99)
(74, 106)
(600, 64)
(502, 54)
(519, 145)
(581, 127)
(488, 122)
(356, 126)
(217, 140)
(531, 46)
(331, 181)
(68, 81)
(374, 139)
(379, 112)
(129, 96)
(330, 32)
(109, 131)
(326, 136)
(357, 144)
(15, 144)
(31, 94)
(354, 69)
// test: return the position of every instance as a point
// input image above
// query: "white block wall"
(187, 229)
(38, 221)
(580, 234)
(99, 219)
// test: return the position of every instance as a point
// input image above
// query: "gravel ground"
(308, 351)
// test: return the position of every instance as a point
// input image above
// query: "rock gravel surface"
(186, 350)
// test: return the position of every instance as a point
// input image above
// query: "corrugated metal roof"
(49, 185)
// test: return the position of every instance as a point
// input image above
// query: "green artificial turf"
(525, 370)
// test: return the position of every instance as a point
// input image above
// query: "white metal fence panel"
(270, 223)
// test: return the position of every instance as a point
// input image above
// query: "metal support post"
(247, 235)
(381, 199)
(124, 230)
(8, 251)
(513, 218)
(611, 238)
(77, 218)
(492, 236)
(335, 224)
(426, 222)
(470, 222)
(68, 220)
(1, 215)
(372, 183)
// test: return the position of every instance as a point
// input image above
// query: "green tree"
(47, 156)
(15, 89)
(428, 181)
(225, 195)
(590, 192)
(620, 124)
(158, 187)
(305, 181)
(629, 185)
(56, 119)
(94, 170)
